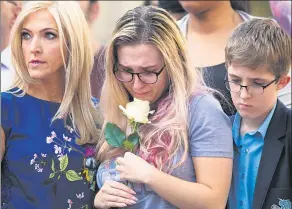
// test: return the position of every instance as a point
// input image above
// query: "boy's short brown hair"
(260, 42)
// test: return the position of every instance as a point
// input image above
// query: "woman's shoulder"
(7, 98)
(204, 101)
(11, 94)
(205, 107)
(18, 100)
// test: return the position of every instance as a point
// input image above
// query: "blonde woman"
(184, 159)
(48, 116)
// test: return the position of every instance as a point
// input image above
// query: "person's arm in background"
(2, 151)
(281, 11)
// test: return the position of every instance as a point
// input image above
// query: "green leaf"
(63, 162)
(52, 175)
(59, 177)
(91, 176)
(134, 138)
(53, 166)
(72, 176)
(114, 135)
(92, 186)
(128, 145)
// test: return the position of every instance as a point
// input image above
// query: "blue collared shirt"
(246, 162)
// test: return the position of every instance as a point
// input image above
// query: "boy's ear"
(283, 81)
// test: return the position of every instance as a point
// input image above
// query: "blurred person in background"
(9, 12)
(281, 11)
(151, 2)
(91, 10)
(207, 26)
(173, 7)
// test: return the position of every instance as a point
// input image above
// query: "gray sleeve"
(210, 132)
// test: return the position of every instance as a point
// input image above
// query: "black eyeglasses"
(254, 89)
(145, 77)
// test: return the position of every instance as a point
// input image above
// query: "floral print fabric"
(43, 166)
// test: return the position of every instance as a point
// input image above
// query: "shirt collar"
(262, 129)
(236, 128)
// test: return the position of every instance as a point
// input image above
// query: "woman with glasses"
(184, 158)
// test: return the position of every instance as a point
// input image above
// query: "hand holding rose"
(134, 169)
(114, 194)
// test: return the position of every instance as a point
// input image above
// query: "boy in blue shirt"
(258, 59)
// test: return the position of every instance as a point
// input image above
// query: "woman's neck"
(222, 17)
(49, 90)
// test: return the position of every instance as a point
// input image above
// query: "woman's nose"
(35, 45)
(137, 83)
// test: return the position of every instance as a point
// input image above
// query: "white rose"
(138, 110)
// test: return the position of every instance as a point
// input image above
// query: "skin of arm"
(2, 144)
(210, 191)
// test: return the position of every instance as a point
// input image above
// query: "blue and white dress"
(42, 166)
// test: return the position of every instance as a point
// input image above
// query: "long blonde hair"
(168, 133)
(78, 61)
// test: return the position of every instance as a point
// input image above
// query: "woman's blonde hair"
(168, 133)
(78, 61)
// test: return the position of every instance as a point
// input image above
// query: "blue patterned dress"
(43, 167)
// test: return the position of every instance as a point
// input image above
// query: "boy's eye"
(259, 84)
(236, 81)
(25, 36)
(50, 35)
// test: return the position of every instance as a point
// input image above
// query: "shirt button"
(242, 176)
(245, 150)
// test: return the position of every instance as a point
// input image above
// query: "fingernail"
(135, 198)
(133, 192)
(132, 202)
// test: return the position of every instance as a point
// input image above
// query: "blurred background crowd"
(102, 16)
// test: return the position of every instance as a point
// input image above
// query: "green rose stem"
(135, 127)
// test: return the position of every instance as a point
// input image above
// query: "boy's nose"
(244, 94)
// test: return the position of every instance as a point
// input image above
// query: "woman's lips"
(139, 94)
(35, 64)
